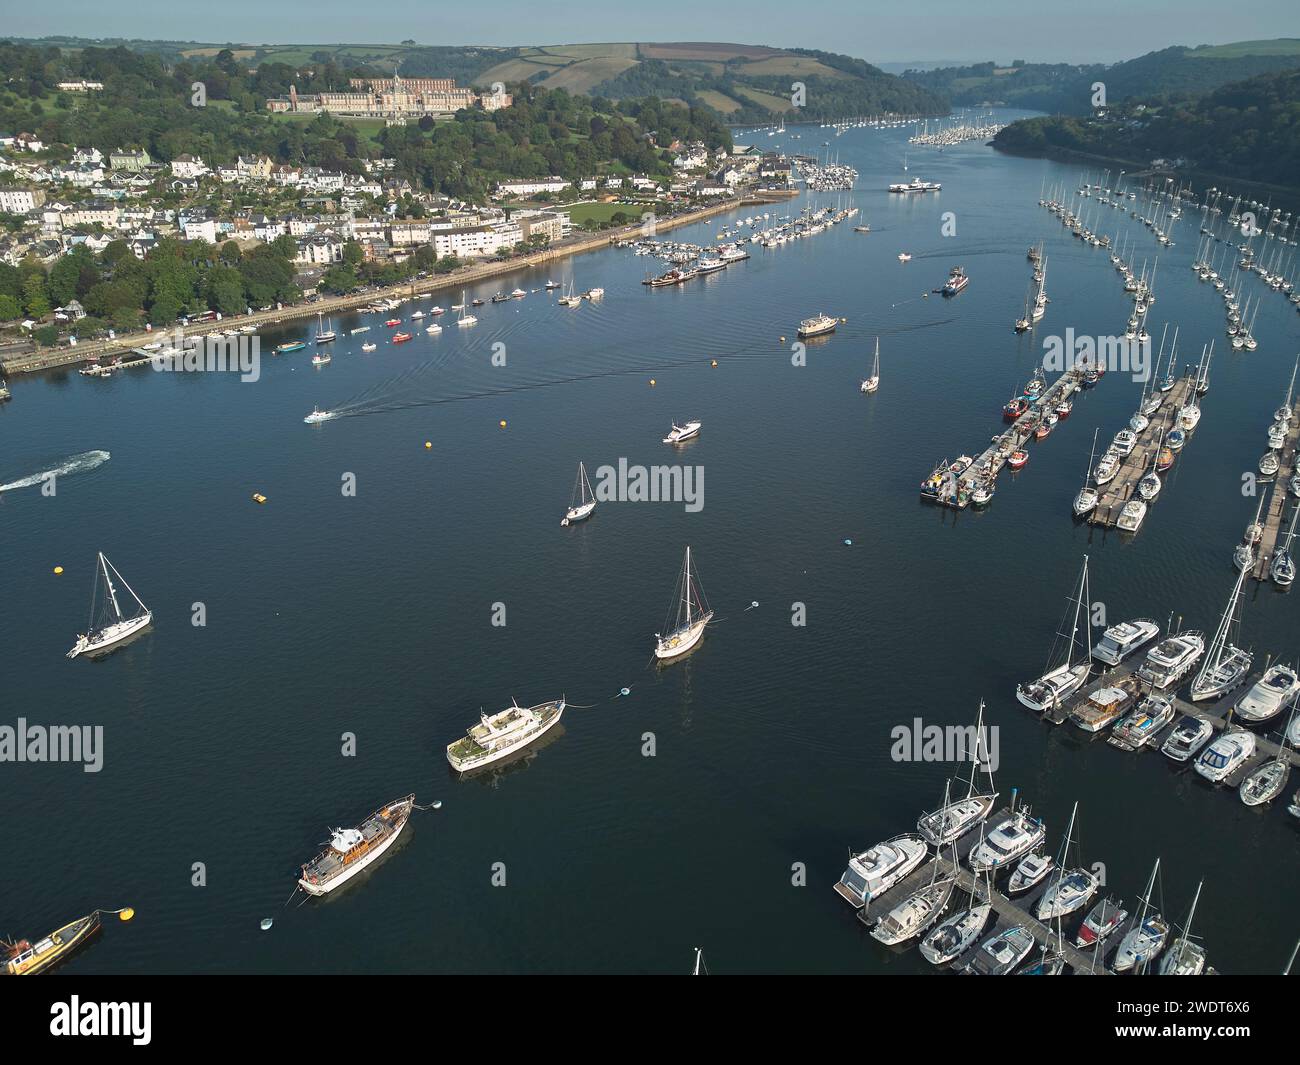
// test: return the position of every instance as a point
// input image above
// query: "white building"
(20, 201)
(532, 186)
(201, 229)
(188, 167)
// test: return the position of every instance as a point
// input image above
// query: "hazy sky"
(1060, 30)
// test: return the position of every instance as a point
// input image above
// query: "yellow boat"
(24, 959)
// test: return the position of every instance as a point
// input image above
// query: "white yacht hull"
(360, 865)
(110, 636)
(467, 764)
(678, 643)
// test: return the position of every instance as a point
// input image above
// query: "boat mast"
(1221, 636)
(1182, 940)
(108, 583)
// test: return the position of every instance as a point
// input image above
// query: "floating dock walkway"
(1137, 463)
(1273, 517)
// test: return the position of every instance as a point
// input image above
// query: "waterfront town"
(58, 200)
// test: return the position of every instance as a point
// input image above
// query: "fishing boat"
(584, 500)
(1030, 872)
(351, 850)
(318, 415)
(903, 257)
(503, 733)
(873, 382)
(679, 434)
(1018, 458)
(957, 280)
(320, 358)
(393, 322)
(1015, 408)
(1172, 659)
(1229, 751)
(401, 338)
(369, 347)
(957, 934)
(433, 328)
(1088, 497)
(692, 615)
(290, 345)
(818, 325)
(1266, 783)
(982, 493)
(1120, 641)
(1143, 723)
(1146, 938)
(1061, 681)
(1226, 665)
(500, 297)
(1190, 734)
(109, 623)
(914, 915)
(24, 958)
(877, 869)
(1001, 952)
(1185, 957)
(1107, 467)
(1268, 695)
(1013, 838)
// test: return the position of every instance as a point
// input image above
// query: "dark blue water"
(372, 615)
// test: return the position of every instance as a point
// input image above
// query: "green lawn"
(601, 212)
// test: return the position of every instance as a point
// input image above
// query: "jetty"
(1007, 911)
(1276, 512)
(952, 485)
(1137, 463)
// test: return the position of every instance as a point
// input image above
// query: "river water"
(371, 615)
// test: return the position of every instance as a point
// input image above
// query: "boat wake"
(87, 460)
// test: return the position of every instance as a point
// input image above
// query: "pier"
(1007, 911)
(1138, 462)
(952, 487)
(1276, 512)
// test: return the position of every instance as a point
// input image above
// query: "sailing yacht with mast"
(109, 625)
(323, 335)
(1146, 938)
(1282, 568)
(954, 819)
(1226, 665)
(1185, 957)
(873, 382)
(1070, 890)
(1062, 681)
(463, 319)
(1088, 496)
(692, 615)
(584, 500)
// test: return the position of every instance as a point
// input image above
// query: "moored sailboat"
(692, 615)
(1063, 680)
(110, 624)
(584, 500)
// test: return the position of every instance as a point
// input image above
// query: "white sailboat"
(955, 818)
(323, 335)
(1185, 957)
(873, 382)
(1226, 665)
(692, 615)
(114, 624)
(1088, 496)
(463, 319)
(1146, 938)
(1059, 683)
(584, 500)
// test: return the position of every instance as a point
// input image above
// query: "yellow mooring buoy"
(428, 444)
(58, 569)
(503, 423)
(126, 914)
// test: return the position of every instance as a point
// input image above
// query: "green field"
(601, 212)
(719, 101)
(1281, 46)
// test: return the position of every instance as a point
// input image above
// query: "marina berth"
(352, 850)
(503, 733)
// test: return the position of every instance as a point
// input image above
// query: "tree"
(9, 309)
(34, 298)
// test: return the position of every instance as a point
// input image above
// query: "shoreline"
(57, 358)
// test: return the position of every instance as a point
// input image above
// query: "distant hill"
(1245, 129)
(1067, 89)
(741, 82)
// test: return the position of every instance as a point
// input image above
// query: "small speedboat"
(1188, 737)
(1228, 753)
(368, 347)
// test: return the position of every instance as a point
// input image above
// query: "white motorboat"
(352, 850)
(1131, 515)
(1190, 734)
(1120, 641)
(1278, 686)
(1226, 665)
(1010, 841)
(318, 415)
(1030, 872)
(818, 325)
(503, 733)
(1172, 659)
(1124, 441)
(584, 500)
(1060, 682)
(369, 347)
(692, 615)
(679, 434)
(1107, 467)
(1229, 751)
(109, 623)
(1143, 723)
(879, 868)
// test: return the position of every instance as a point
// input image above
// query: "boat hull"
(319, 888)
(682, 641)
(109, 637)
